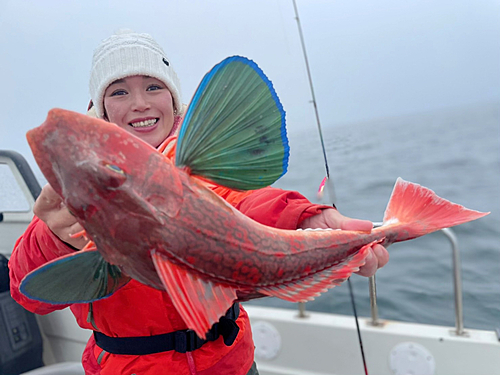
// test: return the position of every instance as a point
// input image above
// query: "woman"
(133, 85)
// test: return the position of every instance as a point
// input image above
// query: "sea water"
(456, 153)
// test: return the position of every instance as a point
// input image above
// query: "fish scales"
(214, 231)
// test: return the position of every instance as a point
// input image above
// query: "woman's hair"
(127, 54)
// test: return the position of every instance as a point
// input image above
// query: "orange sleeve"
(278, 208)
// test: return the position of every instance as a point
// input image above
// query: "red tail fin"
(423, 211)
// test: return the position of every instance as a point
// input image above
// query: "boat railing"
(457, 287)
(23, 174)
(15, 212)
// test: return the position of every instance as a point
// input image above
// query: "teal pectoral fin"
(234, 130)
(201, 303)
(76, 278)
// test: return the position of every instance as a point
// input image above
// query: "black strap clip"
(187, 341)
(228, 329)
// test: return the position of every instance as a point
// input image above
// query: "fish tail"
(421, 211)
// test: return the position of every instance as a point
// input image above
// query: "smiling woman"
(133, 85)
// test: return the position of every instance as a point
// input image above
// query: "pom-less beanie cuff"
(127, 54)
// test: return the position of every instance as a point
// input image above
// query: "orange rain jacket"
(139, 310)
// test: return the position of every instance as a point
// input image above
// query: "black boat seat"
(20, 337)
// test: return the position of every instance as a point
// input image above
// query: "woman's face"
(142, 105)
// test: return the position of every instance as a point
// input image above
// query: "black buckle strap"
(181, 341)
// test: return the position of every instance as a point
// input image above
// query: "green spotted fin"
(234, 130)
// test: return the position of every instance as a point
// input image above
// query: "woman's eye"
(118, 93)
(154, 88)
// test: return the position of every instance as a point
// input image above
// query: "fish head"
(89, 161)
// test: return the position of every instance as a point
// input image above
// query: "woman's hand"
(50, 208)
(331, 218)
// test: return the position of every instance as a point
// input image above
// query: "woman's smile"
(145, 125)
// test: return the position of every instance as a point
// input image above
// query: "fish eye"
(115, 168)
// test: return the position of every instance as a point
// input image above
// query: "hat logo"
(166, 62)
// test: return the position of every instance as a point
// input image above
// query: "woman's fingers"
(377, 257)
(50, 208)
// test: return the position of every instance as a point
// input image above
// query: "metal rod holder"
(373, 300)
(302, 310)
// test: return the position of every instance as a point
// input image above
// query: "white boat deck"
(323, 344)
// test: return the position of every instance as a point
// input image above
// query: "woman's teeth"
(143, 124)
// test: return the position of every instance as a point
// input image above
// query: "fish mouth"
(144, 123)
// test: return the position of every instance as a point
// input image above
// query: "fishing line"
(329, 182)
(357, 324)
(313, 97)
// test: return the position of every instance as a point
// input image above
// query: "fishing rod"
(328, 183)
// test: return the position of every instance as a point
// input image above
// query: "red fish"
(157, 223)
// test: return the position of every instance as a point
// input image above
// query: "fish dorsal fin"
(306, 289)
(200, 303)
(234, 130)
(74, 278)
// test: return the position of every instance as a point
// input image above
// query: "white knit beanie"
(127, 54)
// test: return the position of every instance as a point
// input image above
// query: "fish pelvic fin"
(200, 303)
(422, 211)
(81, 277)
(310, 287)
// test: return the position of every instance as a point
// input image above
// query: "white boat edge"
(324, 343)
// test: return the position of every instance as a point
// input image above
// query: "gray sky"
(369, 59)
